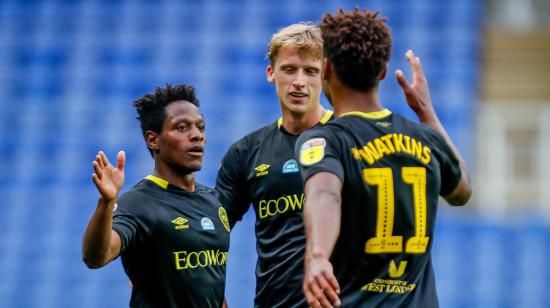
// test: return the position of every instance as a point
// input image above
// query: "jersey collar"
(375, 115)
(160, 182)
(324, 119)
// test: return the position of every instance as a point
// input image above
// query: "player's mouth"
(196, 151)
(298, 96)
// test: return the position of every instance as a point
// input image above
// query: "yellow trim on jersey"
(376, 115)
(160, 182)
(324, 118)
(280, 122)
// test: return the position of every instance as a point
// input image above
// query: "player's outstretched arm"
(418, 99)
(101, 244)
(322, 222)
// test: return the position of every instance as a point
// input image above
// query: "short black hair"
(358, 43)
(151, 106)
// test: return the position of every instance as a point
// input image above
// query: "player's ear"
(384, 72)
(152, 140)
(327, 69)
(270, 76)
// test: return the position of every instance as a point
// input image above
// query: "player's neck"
(345, 100)
(298, 123)
(185, 181)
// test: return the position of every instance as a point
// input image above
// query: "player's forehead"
(292, 54)
(182, 110)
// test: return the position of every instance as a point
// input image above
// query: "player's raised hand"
(320, 286)
(417, 93)
(108, 179)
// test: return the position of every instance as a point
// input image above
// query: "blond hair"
(305, 36)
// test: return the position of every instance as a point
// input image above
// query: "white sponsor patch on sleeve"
(312, 151)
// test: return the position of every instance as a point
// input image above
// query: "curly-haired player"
(171, 233)
(373, 178)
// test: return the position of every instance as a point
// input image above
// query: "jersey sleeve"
(133, 219)
(318, 151)
(231, 185)
(448, 165)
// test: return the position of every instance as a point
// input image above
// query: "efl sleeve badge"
(312, 151)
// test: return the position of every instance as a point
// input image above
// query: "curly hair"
(358, 44)
(151, 107)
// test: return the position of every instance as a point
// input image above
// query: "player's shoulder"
(319, 137)
(421, 128)
(141, 197)
(253, 138)
(140, 191)
(206, 190)
(331, 129)
(245, 147)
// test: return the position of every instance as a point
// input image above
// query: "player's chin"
(299, 108)
(194, 165)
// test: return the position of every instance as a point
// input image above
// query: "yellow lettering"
(373, 287)
(416, 148)
(204, 258)
(295, 202)
(426, 158)
(382, 149)
(371, 152)
(355, 154)
(222, 257)
(387, 139)
(269, 208)
(390, 144)
(269, 204)
(388, 286)
(265, 208)
(190, 259)
(262, 209)
(179, 259)
(279, 210)
(211, 254)
(408, 144)
(398, 142)
(396, 289)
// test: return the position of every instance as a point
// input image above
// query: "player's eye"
(182, 127)
(201, 127)
(288, 69)
(312, 71)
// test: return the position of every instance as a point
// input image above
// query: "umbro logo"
(181, 223)
(261, 170)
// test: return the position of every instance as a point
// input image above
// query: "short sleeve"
(449, 166)
(231, 185)
(318, 151)
(134, 219)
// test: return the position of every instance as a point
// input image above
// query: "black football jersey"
(261, 169)
(174, 244)
(393, 171)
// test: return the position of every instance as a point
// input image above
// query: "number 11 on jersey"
(385, 241)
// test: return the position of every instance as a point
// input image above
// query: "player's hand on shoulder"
(108, 179)
(320, 286)
(417, 93)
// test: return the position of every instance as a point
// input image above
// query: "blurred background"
(69, 71)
